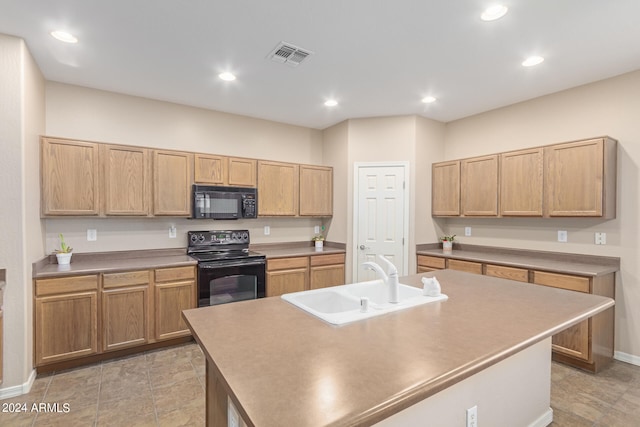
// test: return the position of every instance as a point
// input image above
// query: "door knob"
(363, 247)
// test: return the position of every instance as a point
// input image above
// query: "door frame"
(404, 269)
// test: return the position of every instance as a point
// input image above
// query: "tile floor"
(166, 388)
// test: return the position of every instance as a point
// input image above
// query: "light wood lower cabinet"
(79, 316)
(587, 345)
(326, 271)
(285, 275)
(175, 290)
(125, 310)
(66, 318)
(295, 274)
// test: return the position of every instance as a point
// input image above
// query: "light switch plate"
(92, 234)
(316, 229)
(172, 232)
(267, 230)
(467, 231)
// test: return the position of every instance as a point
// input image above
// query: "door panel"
(381, 211)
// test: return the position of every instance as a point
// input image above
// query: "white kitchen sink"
(342, 304)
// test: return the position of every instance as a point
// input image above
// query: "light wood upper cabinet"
(242, 172)
(210, 169)
(580, 178)
(69, 177)
(445, 190)
(126, 180)
(172, 179)
(316, 190)
(278, 186)
(479, 185)
(521, 183)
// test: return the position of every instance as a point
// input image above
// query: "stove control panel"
(218, 237)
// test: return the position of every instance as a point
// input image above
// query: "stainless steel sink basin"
(342, 304)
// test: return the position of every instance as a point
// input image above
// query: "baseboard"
(18, 390)
(544, 420)
(626, 357)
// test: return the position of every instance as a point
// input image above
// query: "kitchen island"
(277, 365)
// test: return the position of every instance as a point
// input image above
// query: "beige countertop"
(93, 263)
(282, 366)
(286, 250)
(584, 265)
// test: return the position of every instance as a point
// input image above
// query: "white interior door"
(381, 223)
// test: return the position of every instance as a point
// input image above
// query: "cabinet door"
(573, 341)
(210, 169)
(277, 189)
(286, 281)
(326, 276)
(574, 178)
(316, 191)
(125, 313)
(171, 298)
(126, 181)
(242, 172)
(445, 189)
(479, 186)
(69, 177)
(521, 183)
(172, 179)
(66, 327)
(125, 309)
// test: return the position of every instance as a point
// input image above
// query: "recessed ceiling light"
(227, 77)
(63, 36)
(331, 103)
(532, 60)
(429, 99)
(494, 12)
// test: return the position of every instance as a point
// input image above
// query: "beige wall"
(21, 121)
(89, 114)
(609, 107)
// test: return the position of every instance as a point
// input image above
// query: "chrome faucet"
(390, 278)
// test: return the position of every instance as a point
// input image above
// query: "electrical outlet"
(562, 236)
(472, 416)
(316, 229)
(601, 238)
(467, 231)
(92, 234)
(172, 232)
(267, 230)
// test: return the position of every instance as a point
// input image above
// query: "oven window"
(233, 288)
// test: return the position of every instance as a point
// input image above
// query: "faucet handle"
(391, 268)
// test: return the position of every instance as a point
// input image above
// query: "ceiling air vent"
(287, 53)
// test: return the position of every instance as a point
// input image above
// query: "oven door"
(221, 282)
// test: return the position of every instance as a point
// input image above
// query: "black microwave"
(211, 202)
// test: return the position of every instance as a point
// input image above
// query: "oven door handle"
(222, 264)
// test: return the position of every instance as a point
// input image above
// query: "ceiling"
(375, 57)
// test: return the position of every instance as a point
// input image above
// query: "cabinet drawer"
(317, 260)
(287, 263)
(511, 273)
(174, 273)
(125, 278)
(62, 285)
(431, 261)
(468, 266)
(563, 281)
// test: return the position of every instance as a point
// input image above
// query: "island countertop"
(282, 366)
